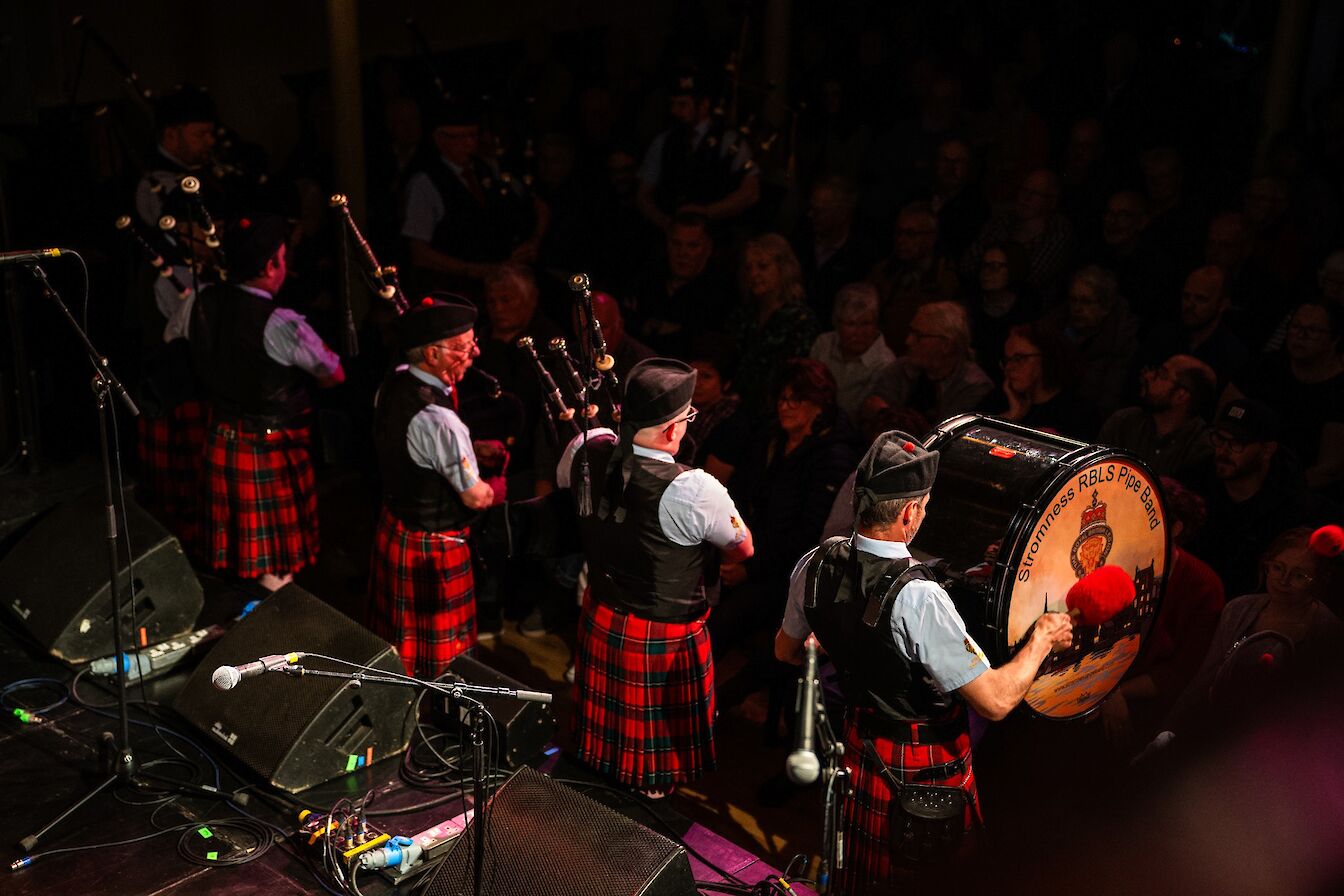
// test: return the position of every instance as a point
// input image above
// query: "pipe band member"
(421, 584)
(254, 359)
(658, 530)
(907, 665)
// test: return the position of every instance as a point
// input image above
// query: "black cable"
(195, 845)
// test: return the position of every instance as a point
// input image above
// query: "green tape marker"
(212, 856)
(205, 833)
(351, 763)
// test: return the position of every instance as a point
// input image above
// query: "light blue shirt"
(291, 342)
(438, 440)
(926, 627)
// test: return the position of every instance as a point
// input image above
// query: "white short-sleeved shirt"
(694, 508)
(438, 440)
(925, 625)
(291, 342)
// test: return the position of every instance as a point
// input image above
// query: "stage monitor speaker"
(525, 728)
(55, 581)
(295, 732)
(542, 837)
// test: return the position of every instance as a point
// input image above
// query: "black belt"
(674, 619)
(908, 731)
(928, 773)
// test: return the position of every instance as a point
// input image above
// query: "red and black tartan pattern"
(172, 468)
(645, 697)
(867, 850)
(261, 511)
(423, 596)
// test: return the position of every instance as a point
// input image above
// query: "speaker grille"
(543, 837)
(298, 732)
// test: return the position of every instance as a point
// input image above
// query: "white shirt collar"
(428, 378)
(260, 293)
(887, 550)
(651, 453)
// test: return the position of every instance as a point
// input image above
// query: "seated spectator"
(1179, 637)
(854, 351)
(789, 484)
(1038, 370)
(1174, 220)
(718, 428)
(1143, 268)
(936, 376)
(1003, 301)
(681, 296)
(914, 273)
(1258, 491)
(1168, 429)
(773, 323)
(956, 199)
(1329, 286)
(829, 247)
(1202, 331)
(1097, 323)
(1302, 639)
(1085, 178)
(1255, 300)
(1305, 383)
(1034, 222)
(1276, 242)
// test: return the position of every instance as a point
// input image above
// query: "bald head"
(1204, 298)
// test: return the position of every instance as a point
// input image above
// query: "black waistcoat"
(854, 594)
(419, 497)
(632, 565)
(694, 174)
(242, 381)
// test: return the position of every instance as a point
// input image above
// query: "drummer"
(907, 666)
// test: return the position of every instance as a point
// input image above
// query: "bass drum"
(1017, 517)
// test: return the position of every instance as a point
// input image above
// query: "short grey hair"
(884, 513)
(417, 354)
(951, 320)
(854, 302)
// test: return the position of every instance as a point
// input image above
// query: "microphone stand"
(459, 692)
(835, 778)
(105, 383)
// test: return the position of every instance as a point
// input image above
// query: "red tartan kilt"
(172, 465)
(262, 500)
(424, 602)
(868, 859)
(645, 697)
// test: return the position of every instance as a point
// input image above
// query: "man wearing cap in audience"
(1258, 492)
(462, 214)
(254, 359)
(423, 599)
(904, 658)
(654, 532)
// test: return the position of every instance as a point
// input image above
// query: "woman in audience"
(1038, 370)
(774, 323)
(1002, 302)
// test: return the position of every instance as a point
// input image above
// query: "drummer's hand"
(1055, 629)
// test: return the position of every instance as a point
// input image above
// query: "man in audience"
(1035, 222)
(683, 295)
(854, 351)
(830, 250)
(1202, 331)
(913, 274)
(1097, 323)
(1168, 428)
(936, 376)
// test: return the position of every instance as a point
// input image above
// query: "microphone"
(802, 765)
(226, 678)
(27, 255)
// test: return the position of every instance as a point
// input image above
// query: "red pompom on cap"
(1327, 541)
(427, 301)
(909, 446)
(244, 223)
(1098, 596)
(1267, 659)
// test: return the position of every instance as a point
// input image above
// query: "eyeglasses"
(689, 418)
(1159, 373)
(461, 348)
(993, 265)
(1294, 576)
(1220, 440)
(789, 401)
(1014, 360)
(1303, 330)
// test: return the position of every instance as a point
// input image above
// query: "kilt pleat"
(645, 704)
(423, 599)
(261, 508)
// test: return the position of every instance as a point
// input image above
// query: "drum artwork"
(1016, 518)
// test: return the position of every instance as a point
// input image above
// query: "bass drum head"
(1107, 512)
(1018, 517)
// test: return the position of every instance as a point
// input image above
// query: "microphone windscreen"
(802, 767)
(1100, 594)
(1327, 541)
(225, 678)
